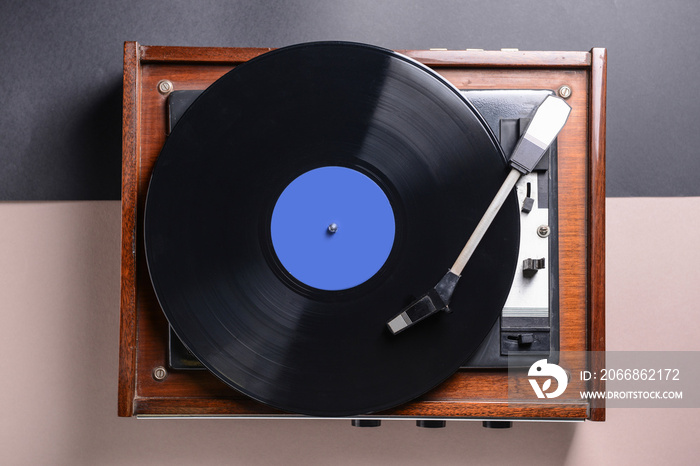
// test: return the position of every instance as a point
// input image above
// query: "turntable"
(288, 217)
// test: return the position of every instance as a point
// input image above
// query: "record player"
(234, 302)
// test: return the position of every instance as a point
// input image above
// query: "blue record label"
(332, 228)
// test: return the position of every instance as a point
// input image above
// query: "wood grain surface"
(596, 227)
(130, 146)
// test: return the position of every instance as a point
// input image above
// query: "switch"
(531, 266)
(431, 423)
(528, 202)
(526, 339)
(366, 422)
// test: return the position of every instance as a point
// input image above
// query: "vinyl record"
(239, 227)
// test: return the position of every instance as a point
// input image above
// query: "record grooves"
(220, 174)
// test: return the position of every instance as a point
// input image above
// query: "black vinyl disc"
(208, 236)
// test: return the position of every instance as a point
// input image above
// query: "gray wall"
(60, 85)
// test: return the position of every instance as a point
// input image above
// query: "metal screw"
(332, 228)
(543, 231)
(159, 373)
(165, 87)
(565, 91)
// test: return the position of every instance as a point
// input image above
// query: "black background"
(61, 67)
